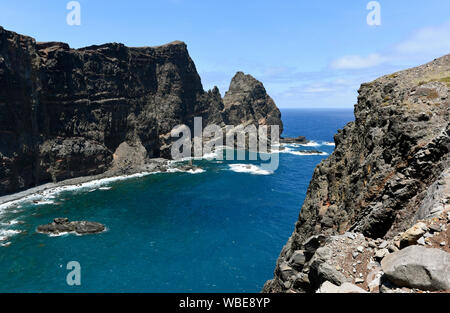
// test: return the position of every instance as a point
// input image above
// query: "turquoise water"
(216, 231)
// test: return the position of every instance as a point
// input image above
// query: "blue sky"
(307, 53)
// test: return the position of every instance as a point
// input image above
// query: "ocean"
(217, 230)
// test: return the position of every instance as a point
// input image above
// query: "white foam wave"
(59, 235)
(190, 171)
(44, 202)
(311, 144)
(287, 149)
(46, 196)
(196, 171)
(249, 168)
(306, 153)
(174, 170)
(5, 234)
(10, 223)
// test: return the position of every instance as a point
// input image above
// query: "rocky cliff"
(68, 112)
(389, 170)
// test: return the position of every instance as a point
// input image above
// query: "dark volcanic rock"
(384, 172)
(62, 225)
(299, 140)
(66, 113)
(247, 102)
(313, 152)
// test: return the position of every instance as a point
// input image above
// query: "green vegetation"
(445, 80)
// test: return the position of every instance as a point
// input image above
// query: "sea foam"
(249, 168)
(5, 234)
(289, 150)
(46, 197)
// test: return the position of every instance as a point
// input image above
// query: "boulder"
(298, 259)
(380, 254)
(413, 234)
(312, 244)
(321, 270)
(286, 271)
(327, 272)
(418, 267)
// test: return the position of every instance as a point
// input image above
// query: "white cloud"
(356, 62)
(422, 46)
(337, 84)
(427, 41)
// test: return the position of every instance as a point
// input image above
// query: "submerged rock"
(312, 152)
(299, 140)
(62, 225)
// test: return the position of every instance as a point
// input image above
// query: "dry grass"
(433, 94)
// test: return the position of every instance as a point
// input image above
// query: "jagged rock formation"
(65, 112)
(247, 102)
(389, 169)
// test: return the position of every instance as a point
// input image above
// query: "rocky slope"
(67, 113)
(389, 170)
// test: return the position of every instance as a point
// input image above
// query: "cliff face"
(65, 112)
(384, 173)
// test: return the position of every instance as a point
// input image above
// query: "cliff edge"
(390, 170)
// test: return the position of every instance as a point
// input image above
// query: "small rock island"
(62, 225)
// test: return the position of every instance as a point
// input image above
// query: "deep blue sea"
(217, 231)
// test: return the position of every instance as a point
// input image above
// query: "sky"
(308, 54)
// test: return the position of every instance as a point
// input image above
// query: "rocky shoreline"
(84, 112)
(152, 166)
